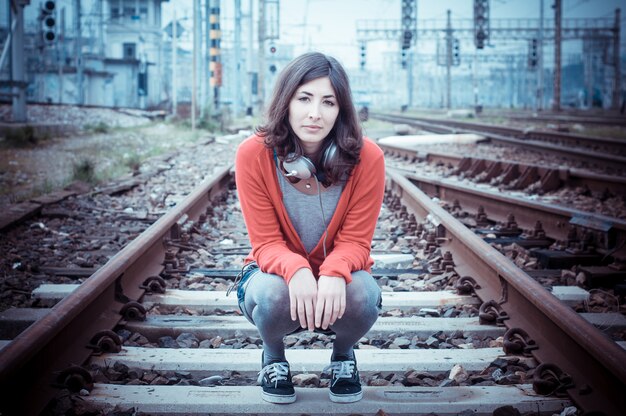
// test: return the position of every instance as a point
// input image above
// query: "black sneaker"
(275, 379)
(345, 385)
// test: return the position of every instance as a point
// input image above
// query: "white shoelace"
(276, 372)
(341, 369)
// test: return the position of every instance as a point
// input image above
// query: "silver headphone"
(301, 167)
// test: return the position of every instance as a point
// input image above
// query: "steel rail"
(572, 177)
(594, 362)
(503, 135)
(60, 339)
(564, 118)
(555, 219)
(525, 134)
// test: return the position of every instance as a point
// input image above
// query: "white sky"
(330, 25)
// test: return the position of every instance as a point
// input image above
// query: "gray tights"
(267, 304)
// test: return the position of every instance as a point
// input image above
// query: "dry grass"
(94, 157)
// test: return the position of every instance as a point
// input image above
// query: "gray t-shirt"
(305, 213)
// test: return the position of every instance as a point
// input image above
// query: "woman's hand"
(331, 300)
(302, 297)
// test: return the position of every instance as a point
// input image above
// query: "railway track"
(510, 174)
(590, 151)
(499, 332)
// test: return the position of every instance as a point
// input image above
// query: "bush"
(101, 127)
(21, 136)
(85, 171)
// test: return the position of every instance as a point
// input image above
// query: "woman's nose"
(314, 113)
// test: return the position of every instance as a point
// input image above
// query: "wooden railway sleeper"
(75, 379)
(491, 313)
(133, 311)
(549, 379)
(105, 341)
(518, 342)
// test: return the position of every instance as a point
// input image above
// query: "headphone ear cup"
(329, 156)
(300, 167)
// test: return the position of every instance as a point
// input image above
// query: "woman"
(310, 188)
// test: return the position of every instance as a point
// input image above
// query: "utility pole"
(556, 105)
(540, 59)
(207, 56)
(238, 99)
(215, 51)
(61, 49)
(408, 36)
(616, 64)
(448, 61)
(261, 75)
(193, 64)
(202, 65)
(79, 54)
(174, 64)
(251, 73)
(17, 60)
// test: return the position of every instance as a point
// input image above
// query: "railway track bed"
(462, 330)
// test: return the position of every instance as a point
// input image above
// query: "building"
(111, 56)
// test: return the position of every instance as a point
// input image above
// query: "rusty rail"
(550, 178)
(555, 220)
(556, 334)
(576, 147)
(63, 338)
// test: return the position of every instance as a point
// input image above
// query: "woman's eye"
(303, 99)
(329, 103)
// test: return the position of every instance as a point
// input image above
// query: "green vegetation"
(85, 171)
(100, 127)
(23, 136)
(28, 170)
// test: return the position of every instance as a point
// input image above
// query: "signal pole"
(448, 61)
(193, 64)
(556, 105)
(79, 53)
(261, 75)
(174, 64)
(238, 96)
(616, 64)
(540, 59)
(17, 60)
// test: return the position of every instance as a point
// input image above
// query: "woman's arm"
(352, 243)
(269, 246)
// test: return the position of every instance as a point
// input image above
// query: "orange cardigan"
(276, 246)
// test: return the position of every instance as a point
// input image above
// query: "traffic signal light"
(481, 22)
(272, 49)
(48, 22)
(532, 53)
(408, 22)
(406, 39)
(403, 58)
(362, 56)
(456, 52)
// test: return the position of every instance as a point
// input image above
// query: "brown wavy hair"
(346, 133)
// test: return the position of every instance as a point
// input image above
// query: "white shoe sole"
(278, 398)
(345, 398)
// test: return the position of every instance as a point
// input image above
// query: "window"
(129, 50)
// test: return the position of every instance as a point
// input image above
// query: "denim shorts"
(247, 272)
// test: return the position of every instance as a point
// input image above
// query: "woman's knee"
(269, 292)
(363, 292)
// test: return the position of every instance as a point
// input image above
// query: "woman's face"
(313, 110)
